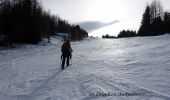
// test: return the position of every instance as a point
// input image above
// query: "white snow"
(116, 66)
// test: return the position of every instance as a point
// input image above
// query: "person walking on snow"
(66, 53)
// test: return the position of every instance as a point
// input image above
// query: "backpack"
(65, 47)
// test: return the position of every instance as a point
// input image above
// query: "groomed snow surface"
(102, 69)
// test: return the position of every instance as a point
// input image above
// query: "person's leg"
(63, 62)
(70, 55)
(68, 58)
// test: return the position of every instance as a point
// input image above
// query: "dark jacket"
(66, 49)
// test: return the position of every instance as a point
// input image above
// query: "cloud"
(94, 25)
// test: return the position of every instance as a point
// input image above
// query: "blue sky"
(129, 12)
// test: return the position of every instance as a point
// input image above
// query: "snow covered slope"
(120, 69)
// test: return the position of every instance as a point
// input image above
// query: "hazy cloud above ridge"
(93, 25)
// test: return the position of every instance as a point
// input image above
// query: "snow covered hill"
(120, 69)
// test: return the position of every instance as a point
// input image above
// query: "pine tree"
(145, 24)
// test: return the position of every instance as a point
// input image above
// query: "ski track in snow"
(133, 65)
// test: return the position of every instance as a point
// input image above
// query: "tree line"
(26, 21)
(155, 21)
(122, 34)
